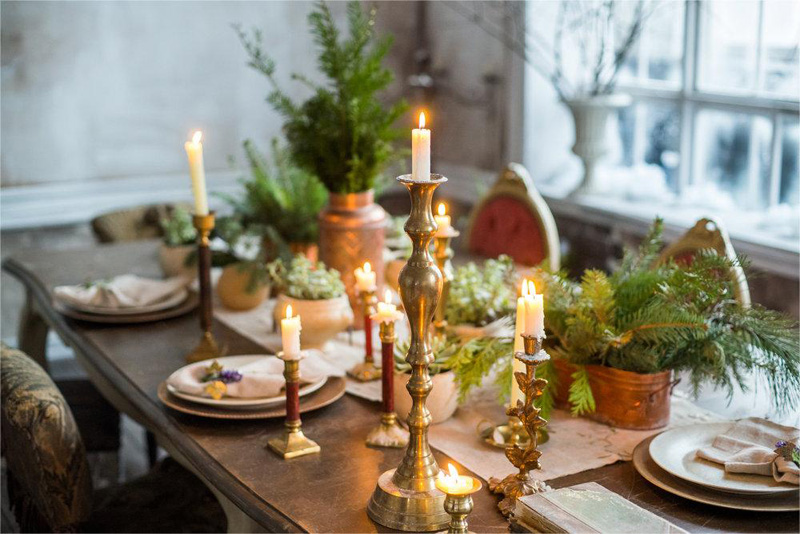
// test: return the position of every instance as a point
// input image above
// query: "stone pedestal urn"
(591, 117)
(352, 230)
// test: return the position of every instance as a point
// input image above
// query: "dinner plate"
(233, 403)
(168, 302)
(189, 304)
(675, 452)
(775, 502)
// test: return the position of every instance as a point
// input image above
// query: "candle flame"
(452, 470)
(289, 311)
(367, 267)
(198, 135)
(532, 288)
(525, 288)
(441, 209)
(422, 119)
(387, 296)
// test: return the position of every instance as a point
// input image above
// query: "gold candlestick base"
(389, 433)
(205, 350)
(510, 433)
(365, 372)
(293, 443)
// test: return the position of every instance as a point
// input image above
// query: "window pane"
(732, 158)
(729, 44)
(781, 39)
(790, 189)
(658, 55)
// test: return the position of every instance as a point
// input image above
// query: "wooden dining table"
(326, 492)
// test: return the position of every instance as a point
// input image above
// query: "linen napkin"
(260, 378)
(125, 291)
(749, 447)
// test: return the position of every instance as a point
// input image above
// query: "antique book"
(586, 508)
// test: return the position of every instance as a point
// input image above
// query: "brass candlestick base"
(366, 371)
(293, 443)
(389, 433)
(525, 458)
(406, 498)
(443, 255)
(459, 506)
(510, 433)
(208, 347)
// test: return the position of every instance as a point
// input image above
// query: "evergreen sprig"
(342, 133)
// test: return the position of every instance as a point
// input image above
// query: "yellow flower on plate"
(216, 389)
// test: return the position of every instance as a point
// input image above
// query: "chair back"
(133, 224)
(708, 233)
(514, 219)
(50, 488)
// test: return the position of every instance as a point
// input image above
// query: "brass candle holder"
(406, 498)
(459, 505)
(293, 443)
(389, 433)
(525, 458)
(443, 255)
(208, 347)
(366, 370)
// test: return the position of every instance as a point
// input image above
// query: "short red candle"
(387, 376)
(292, 401)
(368, 337)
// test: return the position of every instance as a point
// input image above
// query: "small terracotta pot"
(232, 289)
(623, 399)
(320, 320)
(442, 401)
(173, 260)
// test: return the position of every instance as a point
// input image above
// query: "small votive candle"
(290, 335)
(442, 221)
(365, 278)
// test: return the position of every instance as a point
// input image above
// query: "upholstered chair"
(514, 219)
(132, 224)
(50, 488)
(707, 234)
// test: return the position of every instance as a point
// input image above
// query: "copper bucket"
(623, 399)
(352, 230)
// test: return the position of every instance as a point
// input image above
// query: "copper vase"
(352, 230)
(623, 399)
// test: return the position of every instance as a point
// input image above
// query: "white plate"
(675, 452)
(233, 403)
(168, 302)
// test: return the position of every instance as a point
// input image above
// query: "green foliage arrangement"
(178, 228)
(280, 200)
(342, 133)
(648, 318)
(479, 296)
(302, 279)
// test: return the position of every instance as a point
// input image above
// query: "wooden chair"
(514, 219)
(707, 234)
(49, 486)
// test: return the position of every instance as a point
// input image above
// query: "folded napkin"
(260, 378)
(749, 447)
(126, 291)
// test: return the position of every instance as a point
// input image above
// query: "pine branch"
(580, 392)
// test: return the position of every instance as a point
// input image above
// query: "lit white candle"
(453, 483)
(421, 151)
(519, 328)
(290, 335)
(442, 221)
(194, 150)
(534, 312)
(387, 312)
(365, 278)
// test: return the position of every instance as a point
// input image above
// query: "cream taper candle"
(290, 335)
(421, 151)
(194, 150)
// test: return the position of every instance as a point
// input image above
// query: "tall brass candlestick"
(443, 254)
(389, 433)
(524, 457)
(406, 498)
(207, 348)
(293, 443)
(366, 370)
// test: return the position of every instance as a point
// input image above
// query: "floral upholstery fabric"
(46, 459)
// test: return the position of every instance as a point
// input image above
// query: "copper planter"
(623, 399)
(352, 230)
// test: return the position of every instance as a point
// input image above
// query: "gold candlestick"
(207, 348)
(406, 498)
(389, 433)
(443, 255)
(525, 458)
(459, 506)
(366, 371)
(293, 443)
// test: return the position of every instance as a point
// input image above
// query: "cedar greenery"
(649, 317)
(342, 133)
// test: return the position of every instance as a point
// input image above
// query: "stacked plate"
(669, 461)
(174, 305)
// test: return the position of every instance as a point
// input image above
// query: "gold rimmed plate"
(188, 304)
